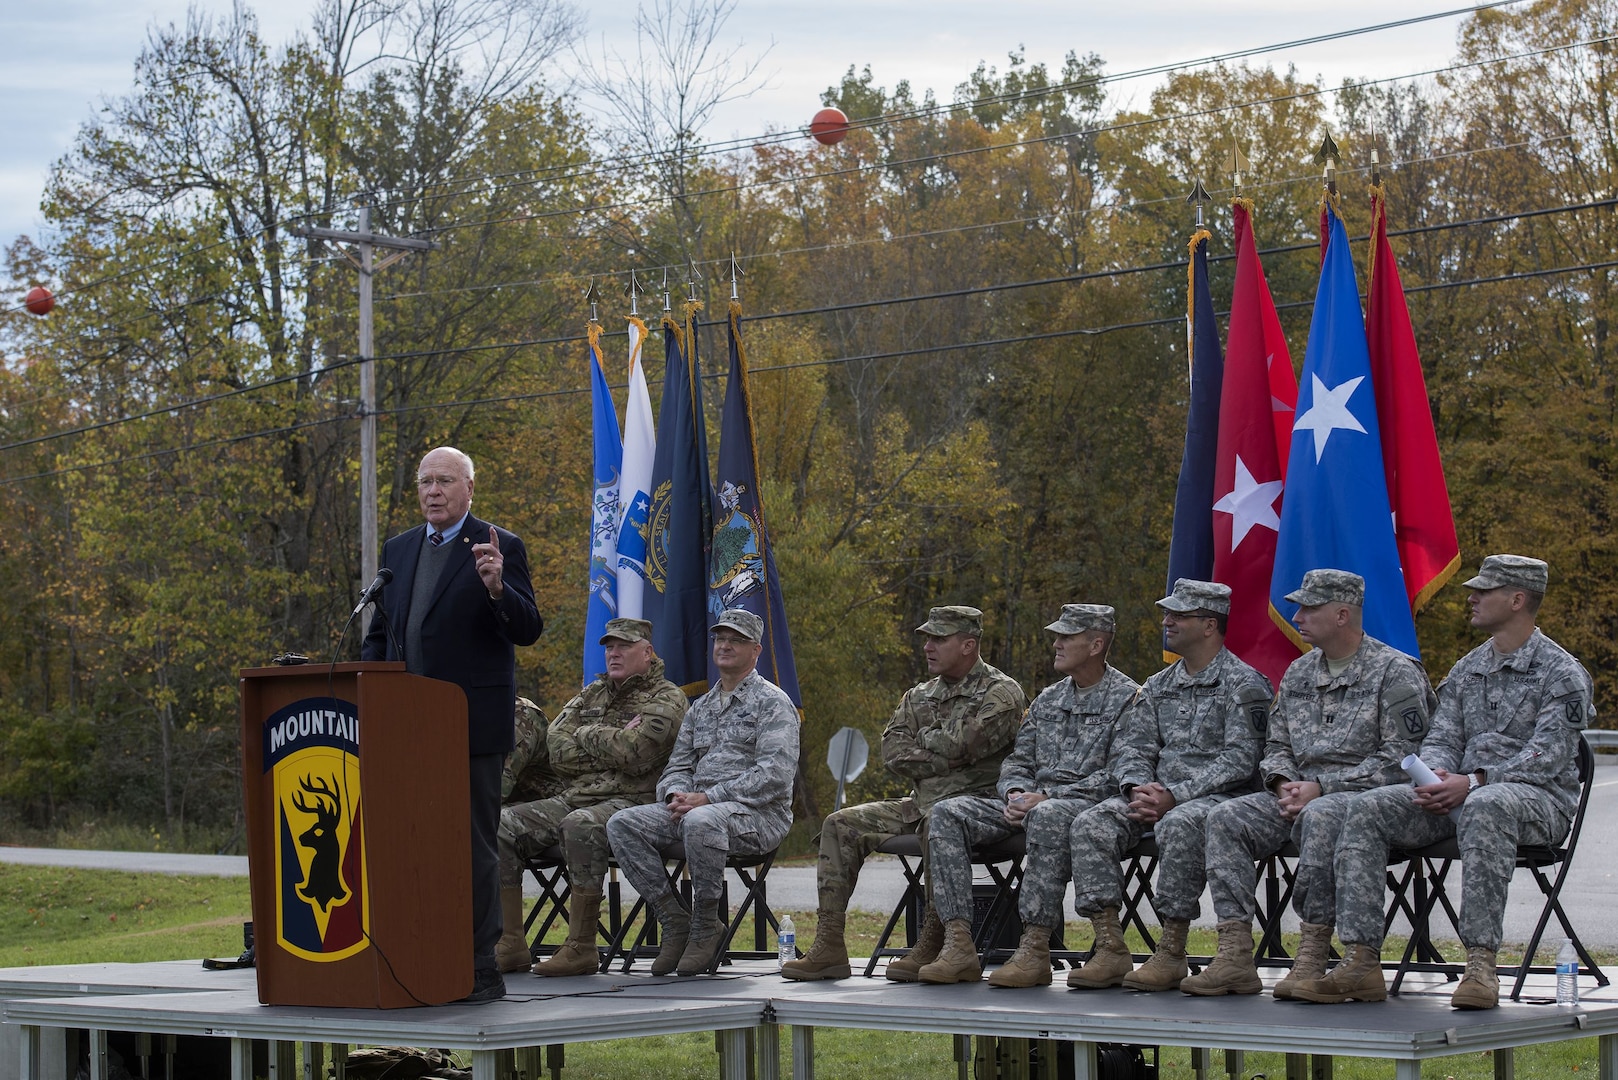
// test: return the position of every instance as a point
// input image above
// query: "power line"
(949, 294)
(1159, 69)
(1175, 320)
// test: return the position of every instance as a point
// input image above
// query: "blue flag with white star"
(1336, 513)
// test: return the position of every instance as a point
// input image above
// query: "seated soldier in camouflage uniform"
(1058, 768)
(727, 787)
(1347, 713)
(528, 775)
(607, 745)
(1191, 741)
(1504, 743)
(948, 737)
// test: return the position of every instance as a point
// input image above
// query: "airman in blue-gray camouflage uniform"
(727, 788)
(1504, 744)
(1057, 769)
(948, 737)
(1347, 713)
(1191, 742)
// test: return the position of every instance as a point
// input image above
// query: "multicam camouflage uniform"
(605, 766)
(1346, 732)
(1517, 719)
(740, 748)
(1061, 752)
(1198, 735)
(528, 774)
(948, 739)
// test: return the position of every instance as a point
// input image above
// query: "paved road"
(1588, 895)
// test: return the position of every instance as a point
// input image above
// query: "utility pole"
(365, 242)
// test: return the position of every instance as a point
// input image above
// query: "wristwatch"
(1472, 782)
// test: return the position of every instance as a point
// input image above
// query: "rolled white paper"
(1420, 774)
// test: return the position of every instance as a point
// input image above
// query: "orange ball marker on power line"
(39, 300)
(828, 126)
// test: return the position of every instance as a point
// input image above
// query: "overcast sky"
(59, 59)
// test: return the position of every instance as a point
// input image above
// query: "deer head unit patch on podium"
(311, 751)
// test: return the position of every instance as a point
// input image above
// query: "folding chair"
(1436, 860)
(750, 869)
(550, 908)
(907, 847)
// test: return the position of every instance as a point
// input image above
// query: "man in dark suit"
(459, 603)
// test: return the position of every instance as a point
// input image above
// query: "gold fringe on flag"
(1191, 298)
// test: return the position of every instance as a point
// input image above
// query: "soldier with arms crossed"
(1058, 768)
(608, 744)
(1347, 713)
(947, 737)
(1504, 743)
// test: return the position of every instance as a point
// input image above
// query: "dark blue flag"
(1336, 513)
(681, 520)
(743, 570)
(1191, 550)
(605, 510)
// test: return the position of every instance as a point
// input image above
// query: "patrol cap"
(1512, 572)
(1329, 587)
(1077, 618)
(626, 630)
(1192, 595)
(742, 621)
(954, 619)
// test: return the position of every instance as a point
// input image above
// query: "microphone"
(374, 589)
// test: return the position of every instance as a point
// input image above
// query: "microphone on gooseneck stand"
(374, 589)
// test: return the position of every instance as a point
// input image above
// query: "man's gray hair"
(466, 459)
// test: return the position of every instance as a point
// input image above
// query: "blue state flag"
(1191, 548)
(743, 569)
(681, 520)
(605, 513)
(1336, 512)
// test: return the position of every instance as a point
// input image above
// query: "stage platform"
(749, 1004)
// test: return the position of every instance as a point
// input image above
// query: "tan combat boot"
(676, 924)
(1310, 964)
(1030, 965)
(1232, 970)
(827, 958)
(1110, 961)
(1357, 978)
(925, 951)
(1480, 986)
(707, 934)
(1167, 967)
(957, 960)
(577, 955)
(511, 952)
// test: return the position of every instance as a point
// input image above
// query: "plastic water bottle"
(1567, 974)
(786, 940)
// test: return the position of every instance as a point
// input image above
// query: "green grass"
(59, 916)
(51, 915)
(100, 834)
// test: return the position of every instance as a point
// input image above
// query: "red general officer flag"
(1259, 398)
(1423, 523)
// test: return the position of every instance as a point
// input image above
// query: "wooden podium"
(359, 835)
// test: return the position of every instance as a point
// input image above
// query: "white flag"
(640, 443)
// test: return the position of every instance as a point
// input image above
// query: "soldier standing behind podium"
(459, 603)
(609, 744)
(1504, 743)
(1348, 712)
(1190, 742)
(727, 788)
(948, 737)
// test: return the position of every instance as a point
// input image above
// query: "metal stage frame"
(748, 1006)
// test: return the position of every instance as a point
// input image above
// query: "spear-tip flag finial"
(668, 306)
(691, 279)
(1198, 198)
(592, 296)
(633, 292)
(736, 275)
(1329, 157)
(1236, 163)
